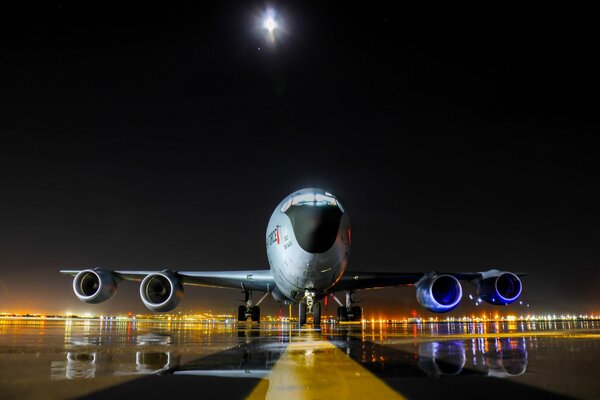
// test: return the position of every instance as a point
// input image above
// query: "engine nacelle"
(501, 289)
(161, 291)
(439, 293)
(94, 285)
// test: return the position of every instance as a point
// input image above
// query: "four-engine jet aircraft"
(308, 243)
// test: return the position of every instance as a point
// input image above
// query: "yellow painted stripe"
(313, 368)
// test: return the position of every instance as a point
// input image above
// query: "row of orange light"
(206, 316)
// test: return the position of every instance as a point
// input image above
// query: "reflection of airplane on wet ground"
(503, 359)
(308, 243)
(257, 358)
(81, 365)
(278, 361)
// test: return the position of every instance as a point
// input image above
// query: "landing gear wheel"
(356, 313)
(242, 313)
(256, 313)
(342, 314)
(317, 313)
(302, 314)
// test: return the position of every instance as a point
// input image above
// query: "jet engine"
(94, 285)
(439, 293)
(501, 288)
(161, 291)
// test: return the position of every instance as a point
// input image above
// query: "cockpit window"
(311, 199)
(315, 218)
(286, 205)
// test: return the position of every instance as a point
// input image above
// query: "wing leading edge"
(260, 280)
(354, 280)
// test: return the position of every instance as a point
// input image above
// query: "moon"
(270, 24)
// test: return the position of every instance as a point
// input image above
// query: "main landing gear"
(309, 306)
(250, 311)
(348, 312)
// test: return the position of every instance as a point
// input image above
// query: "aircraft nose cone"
(315, 227)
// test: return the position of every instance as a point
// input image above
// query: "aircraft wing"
(260, 280)
(354, 280)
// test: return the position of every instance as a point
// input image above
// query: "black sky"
(160, 135)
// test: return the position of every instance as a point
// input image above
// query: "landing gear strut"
(316, 313)
(309, 306)
(301, 313)
(348, 312)
(250, 310)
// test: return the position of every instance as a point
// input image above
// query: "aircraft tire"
(356, 313)
(256, 313)
(241, 313)
(342, 314)
(317, 313)
(302, 313)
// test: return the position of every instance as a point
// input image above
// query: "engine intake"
(161, 291)
(94, 285)
(439, 293)
(501, 289)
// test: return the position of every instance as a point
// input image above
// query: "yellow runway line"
(313, 368)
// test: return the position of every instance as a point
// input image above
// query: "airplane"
(308, 243)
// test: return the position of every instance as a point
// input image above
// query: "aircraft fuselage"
(308, 243)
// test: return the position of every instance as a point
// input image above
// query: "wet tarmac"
(91, 359)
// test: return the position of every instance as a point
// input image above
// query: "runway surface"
(91, 359)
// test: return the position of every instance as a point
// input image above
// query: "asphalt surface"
(93, 359)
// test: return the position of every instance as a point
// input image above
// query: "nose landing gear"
(309, 306)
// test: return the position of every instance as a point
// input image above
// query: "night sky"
(155, 136)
